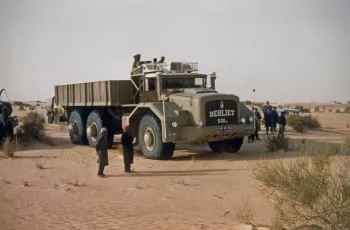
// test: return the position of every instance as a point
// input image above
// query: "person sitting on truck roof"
(162, 59)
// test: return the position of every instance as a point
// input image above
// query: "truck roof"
(171, 68)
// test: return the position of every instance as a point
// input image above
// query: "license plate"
(223, 128)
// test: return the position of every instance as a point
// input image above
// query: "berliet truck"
(163, 104)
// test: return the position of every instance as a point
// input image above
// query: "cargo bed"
(99, 93)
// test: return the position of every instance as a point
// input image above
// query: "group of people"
(137, 61)
(127, 142)
(271, 119)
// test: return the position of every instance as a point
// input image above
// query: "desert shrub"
(275, 143)
(300, 123)
(21, 107)
(337, 110)
(317, 109)
(347, 109)
(302, 109)
(32, 126)
(348, 126)
(37, 104)
(18, 103)
(330, 110)
(248, 103)
(31, 107)
(307, 192)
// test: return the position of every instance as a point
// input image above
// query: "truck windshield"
(178, 83)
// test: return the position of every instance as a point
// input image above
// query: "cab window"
(151, 84)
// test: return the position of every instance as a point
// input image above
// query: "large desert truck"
(163, 104)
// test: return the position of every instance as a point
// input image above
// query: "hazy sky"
(288, 50)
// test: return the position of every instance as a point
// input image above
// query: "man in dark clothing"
(136, 63)
(128, 149)
(274, 119)
(282, 124)
(267, 116)
(257, 123)
(102, 152)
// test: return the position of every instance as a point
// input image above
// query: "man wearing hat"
(102, 152)
(137, 59)
(128, 149)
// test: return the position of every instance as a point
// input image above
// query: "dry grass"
(308, 192)
(9, 147)
(276, 143)
(38, 163)
(243, 214)
(347, 109)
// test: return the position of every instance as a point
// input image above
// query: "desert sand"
(197, 189)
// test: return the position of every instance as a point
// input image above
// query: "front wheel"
(150, 140)
(228, 146)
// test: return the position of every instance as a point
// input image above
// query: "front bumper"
(248, 129)
(204, 134)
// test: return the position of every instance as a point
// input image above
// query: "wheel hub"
(73, 128)
(149, 138)
(92, 131)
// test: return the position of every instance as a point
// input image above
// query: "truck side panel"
(101, 93)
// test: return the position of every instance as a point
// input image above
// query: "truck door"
(150, 90)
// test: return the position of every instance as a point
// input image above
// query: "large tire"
(227, 146)
(94, 124)
(77, 125)
(150, 128)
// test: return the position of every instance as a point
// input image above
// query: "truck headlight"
(243, 120)
(200, 123)
(174, 124)
(251, 119)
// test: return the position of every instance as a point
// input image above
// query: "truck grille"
(220, 112)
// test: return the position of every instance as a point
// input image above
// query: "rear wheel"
(77, 128)
(150, 140)
(228, 146)
(94, 124)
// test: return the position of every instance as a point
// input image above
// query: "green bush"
(300, 123)
(309, 193)
(32, 126)
(302, 109)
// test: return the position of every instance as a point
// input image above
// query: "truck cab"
(188, 105)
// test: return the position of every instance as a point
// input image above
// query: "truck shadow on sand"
(255, 151)
(201, 172)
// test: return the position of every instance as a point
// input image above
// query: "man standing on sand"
(274, 119)
(282, 121)
(257, 123)
(267, 116)
(102, 152)
(128, 149)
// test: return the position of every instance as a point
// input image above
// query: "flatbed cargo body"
(98, 93)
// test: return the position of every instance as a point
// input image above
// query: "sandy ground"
(195, 190)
